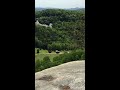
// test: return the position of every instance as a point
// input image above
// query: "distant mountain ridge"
(76, 8)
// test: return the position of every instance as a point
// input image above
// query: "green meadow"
(44, 53)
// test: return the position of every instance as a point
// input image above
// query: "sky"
(60, 3)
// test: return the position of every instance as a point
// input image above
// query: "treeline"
(63, 58)
(67, 32)
(54, 15)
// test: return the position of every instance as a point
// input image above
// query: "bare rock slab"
(68, 76)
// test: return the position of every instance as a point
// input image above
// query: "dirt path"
(68, 76)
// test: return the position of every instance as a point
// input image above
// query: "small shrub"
(57, 60)
(47, 59)
(38, 50)
(49, 51)
(77, 57)
(83, 56)
(37, 65)
(46, 62)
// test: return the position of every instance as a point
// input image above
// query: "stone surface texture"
(68, 76)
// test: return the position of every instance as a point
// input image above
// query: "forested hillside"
(67, 32)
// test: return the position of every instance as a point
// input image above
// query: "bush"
(63, 58)
(43, 64)
(83, 56)
(49, 51)
(66, 57)
(38, 50)
(37, 65)
(57, 60)
(46, 62)
(77, 57)
(46, 59)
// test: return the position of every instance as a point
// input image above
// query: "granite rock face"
(68, 76)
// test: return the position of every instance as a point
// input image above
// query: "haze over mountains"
(40, 8)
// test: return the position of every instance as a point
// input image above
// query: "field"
(41, 56)
(44, 53)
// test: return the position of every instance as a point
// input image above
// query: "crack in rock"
(47, 78)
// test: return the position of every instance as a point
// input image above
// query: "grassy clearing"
(44, 53)
(41, 51)
(41, 56)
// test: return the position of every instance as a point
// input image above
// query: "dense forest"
(67, 32)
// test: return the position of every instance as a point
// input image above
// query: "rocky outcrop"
(68, 76)
(37, 23)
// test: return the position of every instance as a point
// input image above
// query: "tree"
(68, 30)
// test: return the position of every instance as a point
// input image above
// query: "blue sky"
(60, 3)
